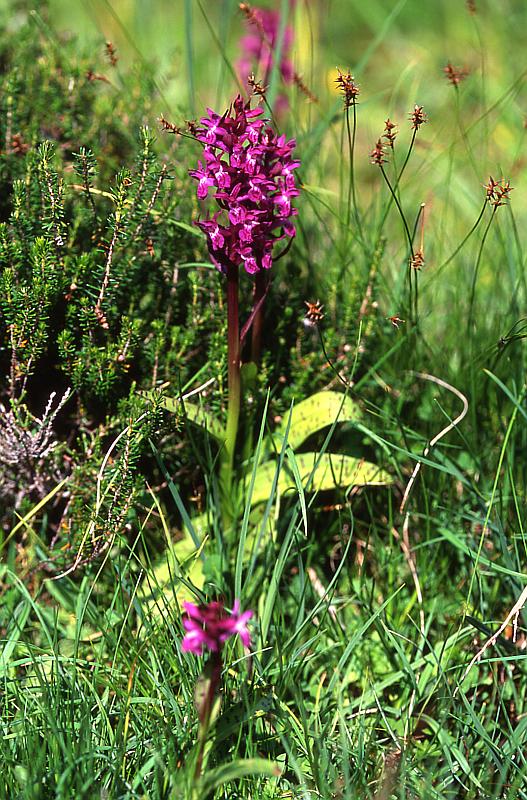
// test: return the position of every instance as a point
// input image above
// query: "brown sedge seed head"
(418, 260)
(497, 192)
(347, 87)
(418, 117)
(314, 313)
(378, 153)
(455, 75)
(390, 132)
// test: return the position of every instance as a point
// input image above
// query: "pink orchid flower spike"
(209, 626)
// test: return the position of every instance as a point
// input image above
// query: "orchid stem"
(205, 711)
(260, 289)
(234, 385)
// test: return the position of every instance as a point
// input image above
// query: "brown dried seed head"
(497, 192)
(455, 75)
(314, 312)
(168, 126)
(257, 88)
(96, 76)
(390, 132)
(418, 259)
(253, 18)
(18, 146)
(304, 88)
(418, 117)
(111, 53)
(377, 154)
(348, 88)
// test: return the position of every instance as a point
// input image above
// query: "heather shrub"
(262, 409)
(100, 283)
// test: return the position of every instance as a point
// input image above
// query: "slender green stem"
(260, 288)
(420, 216)
(476, 272)
(464, 136)
(398, 180)
(233, 354)
(352, 193)
(400, 210)
(417, 218)
(205, 711)
(330, 362)
(416, 299)
(464, 241)
(410, 244)
(407, 159)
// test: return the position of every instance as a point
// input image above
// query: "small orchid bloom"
(250, 263)
(204, 180)
(237, 215)
(209, 626)
(239, 623)
(214, 233)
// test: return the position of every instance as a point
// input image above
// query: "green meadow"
(265, 362)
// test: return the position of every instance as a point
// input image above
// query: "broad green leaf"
(333, 471)
(315, 413)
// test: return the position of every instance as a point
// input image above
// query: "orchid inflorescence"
(208, 626)
(250, 168)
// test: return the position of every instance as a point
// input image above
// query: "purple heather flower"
(250, 171)
(209, 626)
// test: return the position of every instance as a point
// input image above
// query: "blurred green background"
(345, 32)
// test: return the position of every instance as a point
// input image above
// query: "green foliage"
(97, 291)
(370, 602)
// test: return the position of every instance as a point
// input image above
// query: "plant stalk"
(234, 385)
(260, 288)
(204, 713)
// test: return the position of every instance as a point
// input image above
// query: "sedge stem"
(352, 193)
(410, 243)
(476, 272)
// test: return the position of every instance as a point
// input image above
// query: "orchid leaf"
(317, 412)
(333, 471)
